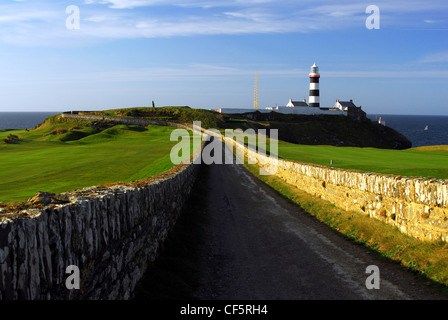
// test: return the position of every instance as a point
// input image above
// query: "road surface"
(260, 246)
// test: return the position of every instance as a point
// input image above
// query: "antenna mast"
(256, 91)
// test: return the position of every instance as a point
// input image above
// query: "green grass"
(430, 162)
(6, 132)
(59, 163)
(208, 118)
(426, 162)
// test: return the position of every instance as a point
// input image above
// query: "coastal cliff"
(338, 131)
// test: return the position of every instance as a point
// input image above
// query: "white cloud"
(43, 23)
(129, 4)
(387, 74)
(437, 57)
(196, 71)
(253, 15)
(25, 16)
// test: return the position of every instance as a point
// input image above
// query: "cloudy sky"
(103, 54)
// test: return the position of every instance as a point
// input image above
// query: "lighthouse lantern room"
(314, 87)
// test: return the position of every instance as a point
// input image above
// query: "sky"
(55, 55)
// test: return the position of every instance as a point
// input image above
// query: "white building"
(350, 108)
(292, 104)
(344, 105)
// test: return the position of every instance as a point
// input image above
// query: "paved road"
(260, 246)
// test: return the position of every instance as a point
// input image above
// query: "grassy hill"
(208, 118)
(63, 155)
(431, 162)
(299, 129)
(428, 162)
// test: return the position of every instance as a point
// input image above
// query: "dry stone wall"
(128, 121)
(111, 234)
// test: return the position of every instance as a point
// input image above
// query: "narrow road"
(260, 246)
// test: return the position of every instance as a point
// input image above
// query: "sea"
(420, 130)
(23, 120)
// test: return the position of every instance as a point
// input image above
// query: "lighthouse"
(314, 86)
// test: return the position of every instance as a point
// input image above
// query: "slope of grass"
(208, 118)
(441, 149)
(6, 132)
(42, 161)
(424, 162)
(429, 162)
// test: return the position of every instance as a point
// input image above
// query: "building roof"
(347, 103)
(298, 103)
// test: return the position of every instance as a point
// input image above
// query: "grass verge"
(424, 162)
(428, 162)
(427, 259)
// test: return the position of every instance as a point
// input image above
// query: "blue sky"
(205, 54)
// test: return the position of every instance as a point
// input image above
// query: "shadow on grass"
(136, 128)
(175, 274)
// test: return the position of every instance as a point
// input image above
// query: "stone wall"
(86, 116)
(417, 206)
(111, 234)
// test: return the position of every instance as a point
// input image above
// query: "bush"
(11, 138)
(58, 131)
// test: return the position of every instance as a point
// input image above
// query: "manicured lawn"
(426, 162)
(6, 132)
(429, 161)
(42, 162)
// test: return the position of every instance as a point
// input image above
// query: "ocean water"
(23, 120)
(413, 127)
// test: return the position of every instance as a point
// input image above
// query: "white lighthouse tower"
(314, 87)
